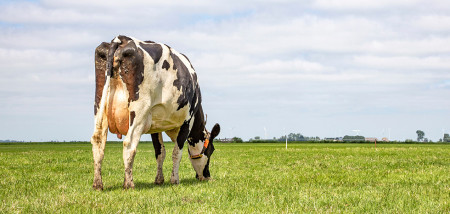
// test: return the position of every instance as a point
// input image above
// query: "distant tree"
(358, 138)
(257, 138)
(237, 140)
(295, 137)
(420, 135)
(446, 138)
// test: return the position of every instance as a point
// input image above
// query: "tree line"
(291, 137)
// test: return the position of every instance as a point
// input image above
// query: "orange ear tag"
(206, 143)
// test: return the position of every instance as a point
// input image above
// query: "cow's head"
(201, 162)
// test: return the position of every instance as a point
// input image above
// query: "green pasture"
(248, 178)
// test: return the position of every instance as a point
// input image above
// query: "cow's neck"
(198, 131)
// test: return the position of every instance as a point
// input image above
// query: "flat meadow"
(247, 178)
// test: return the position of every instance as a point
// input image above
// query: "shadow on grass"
(151, 185)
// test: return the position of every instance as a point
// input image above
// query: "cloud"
(434, 23)
(37, 14)
(405, 62)
(362, 4)
(271, 63)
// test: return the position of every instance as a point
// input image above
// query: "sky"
(265, 68)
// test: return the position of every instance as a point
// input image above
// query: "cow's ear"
(215, 131)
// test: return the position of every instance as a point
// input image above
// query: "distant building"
(371, 139)
(385, 139)
(224, 140)
(334, 139)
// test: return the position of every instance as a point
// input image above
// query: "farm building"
(224, 140)
(371, 139)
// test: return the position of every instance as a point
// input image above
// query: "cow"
(144, 87)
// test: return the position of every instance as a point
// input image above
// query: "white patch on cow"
(191, 123)
(176, 158)
(117, 40)
(199, 163)
(196, 102)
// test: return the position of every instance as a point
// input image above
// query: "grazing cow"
(143, 87)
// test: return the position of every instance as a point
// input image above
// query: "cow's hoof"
(205, 179)
(174, 180)
(159, 180)
(128, 185)
(97, 186)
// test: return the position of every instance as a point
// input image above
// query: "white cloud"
(34, 13)
(284, 66)
(49, 39)
(404, 62)
(37, 60)
(362, 4)
(433, 23)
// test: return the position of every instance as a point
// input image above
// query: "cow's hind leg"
(130, 144)
(98, 142)
(129, 152)
(160, 154)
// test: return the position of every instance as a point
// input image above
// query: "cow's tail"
(108, 73)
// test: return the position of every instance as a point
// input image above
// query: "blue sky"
(317, 67)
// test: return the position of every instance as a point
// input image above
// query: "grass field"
(393, 178)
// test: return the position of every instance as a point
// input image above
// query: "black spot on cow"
(110, 60)
(154, 50)
(156, 144)
(198, 127)
(206, 172)
(188, 61)
(214, 132)
(183, 134)
(194, 76)
(183, 82)
(132, 116)
(166, 65)
(131, 68)
(149, 41)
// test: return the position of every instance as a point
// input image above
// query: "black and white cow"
(143, 87)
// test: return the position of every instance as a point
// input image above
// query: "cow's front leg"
(129, 150)
(176, 158)
(160, 154)
(98, 142)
